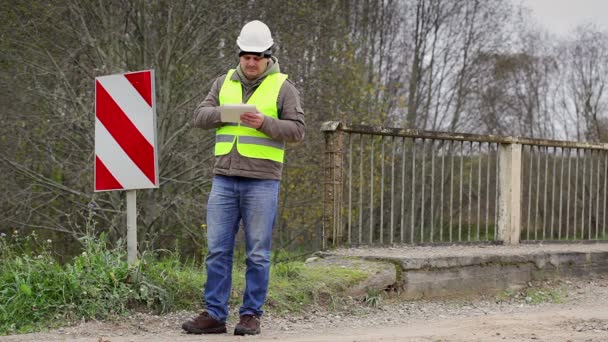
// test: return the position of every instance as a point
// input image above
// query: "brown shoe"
(204, 324)
(248, 325)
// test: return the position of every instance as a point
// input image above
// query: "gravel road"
(580, 314)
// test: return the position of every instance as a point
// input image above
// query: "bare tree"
(583, 67)
(513, 91)
(446, 38)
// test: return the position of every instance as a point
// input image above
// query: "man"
(247, 172)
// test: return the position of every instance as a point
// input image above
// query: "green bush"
(37, 292)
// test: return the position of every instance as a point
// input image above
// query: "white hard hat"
(255, 37)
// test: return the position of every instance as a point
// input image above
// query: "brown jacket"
(289, 127)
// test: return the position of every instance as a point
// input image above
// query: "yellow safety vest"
(249, 141)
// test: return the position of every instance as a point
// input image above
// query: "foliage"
(96, 284)
(37, 292)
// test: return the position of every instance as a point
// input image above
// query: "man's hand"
(254, 120)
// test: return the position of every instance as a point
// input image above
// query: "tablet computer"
(232, 112)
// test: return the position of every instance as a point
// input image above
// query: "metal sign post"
(131, 226)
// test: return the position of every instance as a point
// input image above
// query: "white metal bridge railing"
(391, 185)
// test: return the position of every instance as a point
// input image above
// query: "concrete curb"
(490, 273)
(381, 274)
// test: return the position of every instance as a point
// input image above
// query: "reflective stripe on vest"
(249, 141)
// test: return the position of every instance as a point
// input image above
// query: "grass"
(293, 286)
(535, 295)
(373, 297)
(539, 296)
(38, 293)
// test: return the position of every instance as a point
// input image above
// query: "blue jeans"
(232, 199)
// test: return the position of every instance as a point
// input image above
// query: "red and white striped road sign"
(125, 132)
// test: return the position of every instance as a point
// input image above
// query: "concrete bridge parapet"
(457, 271)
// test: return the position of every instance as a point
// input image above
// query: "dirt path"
(582, 315)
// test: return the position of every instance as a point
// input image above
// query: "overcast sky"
(561, 16)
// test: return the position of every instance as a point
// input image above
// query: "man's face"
(253, 66)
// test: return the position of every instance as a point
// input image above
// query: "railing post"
(333, 174)
(509, 200)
